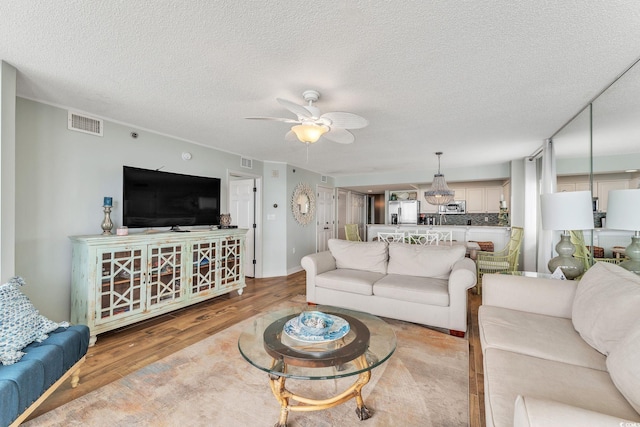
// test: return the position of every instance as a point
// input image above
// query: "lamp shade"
(309, 133)
(623, 210)
(571, 210)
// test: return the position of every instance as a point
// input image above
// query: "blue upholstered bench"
(45, 366)
(36, 354)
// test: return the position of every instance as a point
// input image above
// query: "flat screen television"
(153, 198)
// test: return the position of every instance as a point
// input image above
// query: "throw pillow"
(367, 256)
(424, 260)
(623, 366)
(20, 323)
(606, 305)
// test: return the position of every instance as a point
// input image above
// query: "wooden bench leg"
(75, 378)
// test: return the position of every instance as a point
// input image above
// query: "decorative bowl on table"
(314, 323)
(315, 326)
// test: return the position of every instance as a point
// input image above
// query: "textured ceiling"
(485, 82)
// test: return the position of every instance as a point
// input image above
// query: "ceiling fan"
(311, 125)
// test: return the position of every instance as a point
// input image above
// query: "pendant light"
(439, 194)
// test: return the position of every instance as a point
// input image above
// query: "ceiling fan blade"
(341, 136)
(345, 120)
(277, 119)
(296, 109)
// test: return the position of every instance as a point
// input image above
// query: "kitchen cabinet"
(573, 186)
(483, 199)
(492, 199)
(603, 188)
(120, 280)
(460, 193)
(476, 200)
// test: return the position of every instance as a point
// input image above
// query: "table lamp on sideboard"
(572, 210)
(623, 213)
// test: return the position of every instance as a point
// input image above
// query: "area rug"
(425, 383)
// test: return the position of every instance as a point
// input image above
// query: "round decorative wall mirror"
(303, 204)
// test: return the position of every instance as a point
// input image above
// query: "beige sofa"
(415, 283)
(562, 353)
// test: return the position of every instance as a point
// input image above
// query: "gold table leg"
(305, 404)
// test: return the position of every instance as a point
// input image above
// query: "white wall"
(61, 178)
(302, 238)
(7, 169)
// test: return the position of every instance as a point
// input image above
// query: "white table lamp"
(566, 211)
(623, 213)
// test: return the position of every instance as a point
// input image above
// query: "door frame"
(332, 190)
(257, 240)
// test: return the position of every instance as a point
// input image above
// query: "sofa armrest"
(550, 297)
(315, 264)
(462, 277)
(533, 412)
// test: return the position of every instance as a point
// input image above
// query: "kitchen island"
(499, 236)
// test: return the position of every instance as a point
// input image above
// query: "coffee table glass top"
(267, 347)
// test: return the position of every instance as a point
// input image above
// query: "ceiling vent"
(84, 124)
(246, 163)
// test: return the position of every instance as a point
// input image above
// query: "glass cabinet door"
(203, 270)
(230, 260)
(164, 274)
(120, 281)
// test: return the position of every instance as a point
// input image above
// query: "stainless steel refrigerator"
(404, 211)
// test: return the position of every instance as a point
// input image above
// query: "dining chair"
(352, 232)
(583, 252)
(391, 237)
(500, 261)
(445, 237)
(422, 238)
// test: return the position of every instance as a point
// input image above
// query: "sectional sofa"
(562, 353)
(415, 283)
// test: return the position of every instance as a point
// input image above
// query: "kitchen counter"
(461, 233)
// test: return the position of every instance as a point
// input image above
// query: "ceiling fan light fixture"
(439, 194)
(309, 132)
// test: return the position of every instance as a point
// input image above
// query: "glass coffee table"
(353, 345)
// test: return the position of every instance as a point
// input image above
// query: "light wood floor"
(118, 353)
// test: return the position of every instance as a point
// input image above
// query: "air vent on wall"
(84, 124)
(246, 163)
(323, 178)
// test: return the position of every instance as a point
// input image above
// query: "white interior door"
(325, 214)
(342, 214)
(242, 209)
(359, 212)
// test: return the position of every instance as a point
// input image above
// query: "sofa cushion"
(423, 290)
(424, 261)
(347, 280)
(531, 411)
(537, 335)
(508, 374)
(20, 323)
(367, 256)
(624, 367)
(606, 305)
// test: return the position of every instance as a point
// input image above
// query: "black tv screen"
(162, 199)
